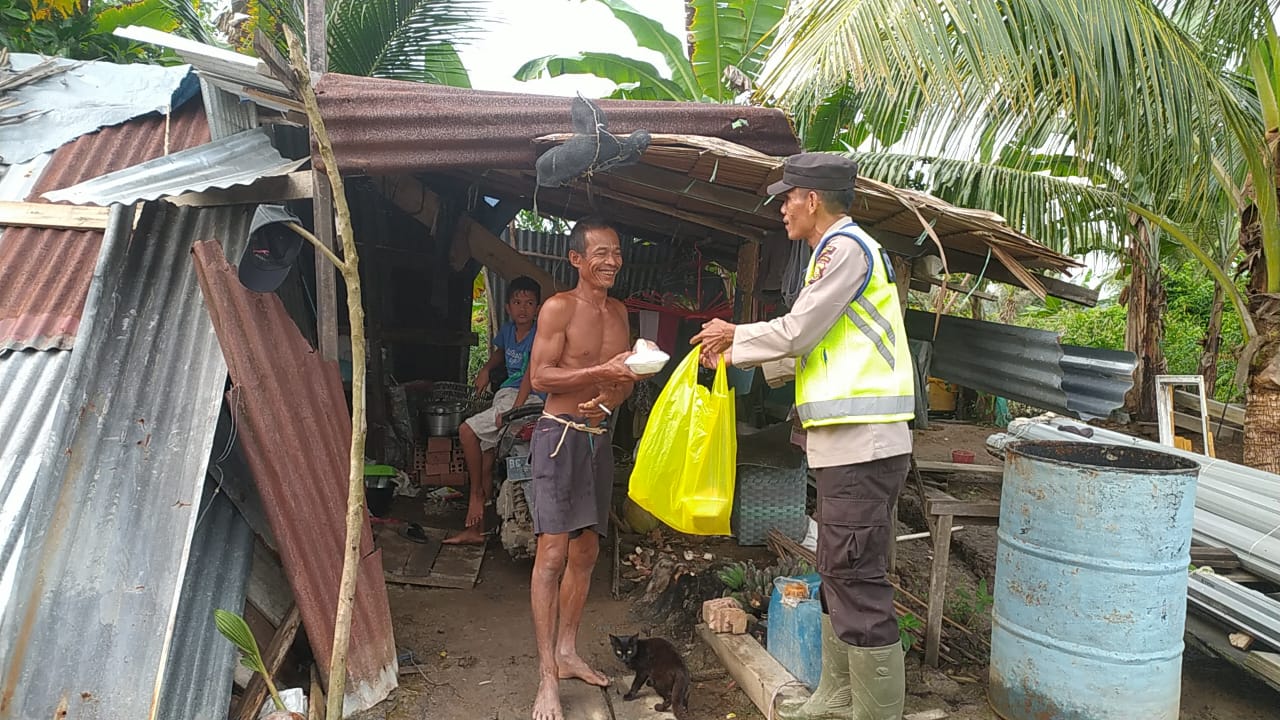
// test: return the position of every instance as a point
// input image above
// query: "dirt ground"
(477, 656)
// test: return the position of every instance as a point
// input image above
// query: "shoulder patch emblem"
(824, 259)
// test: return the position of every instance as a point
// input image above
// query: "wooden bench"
(945, 512)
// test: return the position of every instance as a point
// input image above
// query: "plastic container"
(1091, 582)
(963, 457)
(942, 396)
(795, 633)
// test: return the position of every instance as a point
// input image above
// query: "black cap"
(816, 171)
(273, 247)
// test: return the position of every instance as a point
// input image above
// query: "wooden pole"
(322, 193)
(349, 265)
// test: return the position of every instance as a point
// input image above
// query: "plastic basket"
(767, 498)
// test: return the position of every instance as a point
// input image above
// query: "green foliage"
(906, 624)
(1190, 301)
(234, 628)
(724, 35)
(752, 586)
(965, 605)
(83, 30)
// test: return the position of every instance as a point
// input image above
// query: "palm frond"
(1131, 85)
(400, 39)
(1067, 214)
(1224, 30)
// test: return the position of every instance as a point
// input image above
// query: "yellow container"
(942, 395)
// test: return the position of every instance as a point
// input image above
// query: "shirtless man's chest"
(593, 335)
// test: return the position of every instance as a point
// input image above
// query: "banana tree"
(729, 41)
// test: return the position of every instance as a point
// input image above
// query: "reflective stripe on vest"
(861, 370)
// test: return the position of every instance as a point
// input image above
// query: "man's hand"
(497, 419)
(610, 396)
(482, 379)
(616, 370)
(710, 360)
(716, 336)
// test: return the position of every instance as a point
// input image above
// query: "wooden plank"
(1186, 421)
(757, 673)
(277, 188)
(50, 215)
(315, 699)
(963, 508)
(1265, 664)
(272, 657)
(937, 589)
(1215, 557)
(580, 701)
(430, 564)
(927, 715)
(937, 466)
(326, 273)
(489, 250)
(268, 589)
(1234, 414)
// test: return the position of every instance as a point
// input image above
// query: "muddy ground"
(477, 655)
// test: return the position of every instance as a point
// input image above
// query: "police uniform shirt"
(774, 345)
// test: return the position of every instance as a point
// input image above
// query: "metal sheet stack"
(1237, 507)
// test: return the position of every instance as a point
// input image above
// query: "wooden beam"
(273, 657)
(930, 466)
(962, 508)
(926, 285)
(50, 215)
(425, 336)
(1234, 414)
(670, 181)
(937, 589)
(326, 273)
(751, 234)
(277, 188)
(762, 678)
(421, 203)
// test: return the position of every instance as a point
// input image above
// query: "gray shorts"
(572, 491)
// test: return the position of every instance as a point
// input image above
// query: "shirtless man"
(577, 361)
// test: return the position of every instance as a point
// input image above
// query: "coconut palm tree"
(728, 42)
(397, 39)
(1085, 129)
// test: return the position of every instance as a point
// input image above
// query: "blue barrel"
(795, 633)
(1090, 597)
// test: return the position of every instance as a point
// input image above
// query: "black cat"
(657, 663)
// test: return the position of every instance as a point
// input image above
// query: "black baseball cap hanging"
(272, 249)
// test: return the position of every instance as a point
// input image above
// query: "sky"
(521, 30)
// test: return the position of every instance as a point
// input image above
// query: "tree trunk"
(1144, 330)
(1212, 342)
(1262, 410)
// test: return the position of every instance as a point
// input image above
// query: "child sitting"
(479, 433)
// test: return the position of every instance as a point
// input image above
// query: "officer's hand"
(716, 336)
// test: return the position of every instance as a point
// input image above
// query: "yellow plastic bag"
(686, 461)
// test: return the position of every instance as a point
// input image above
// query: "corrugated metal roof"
(198, 676)
(31, 384)
(238, 159)
(239, 74)
(1026, 365)
(294, 423)
(385, 127)
(87, 96)
(45, 273)
(114, 509)
(226, 113)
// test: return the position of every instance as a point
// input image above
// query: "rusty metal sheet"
(45, 273)
(383, 127)
(295, 430)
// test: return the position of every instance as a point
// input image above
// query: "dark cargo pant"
(855, 504)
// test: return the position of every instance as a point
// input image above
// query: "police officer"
(845, 344)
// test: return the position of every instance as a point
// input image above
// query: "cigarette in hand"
(605, 408)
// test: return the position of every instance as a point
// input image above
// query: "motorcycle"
(512, 475)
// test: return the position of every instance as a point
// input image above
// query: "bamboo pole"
(349, 265)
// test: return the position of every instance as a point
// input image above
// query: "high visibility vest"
(861, 371)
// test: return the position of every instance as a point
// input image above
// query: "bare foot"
(547, 705)
(572, 666)
(471, 536)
